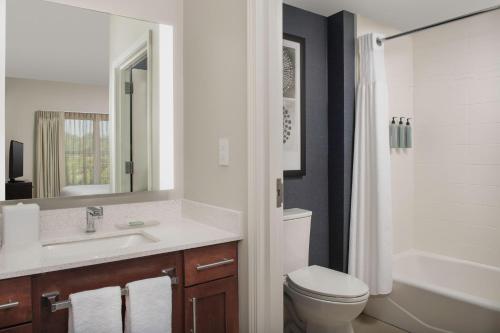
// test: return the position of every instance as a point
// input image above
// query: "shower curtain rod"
(487, 10)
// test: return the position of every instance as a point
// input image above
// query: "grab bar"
(55, 305)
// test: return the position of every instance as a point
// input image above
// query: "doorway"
(134, 127)
(131, 119)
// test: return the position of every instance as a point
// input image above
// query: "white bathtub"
(435, 293)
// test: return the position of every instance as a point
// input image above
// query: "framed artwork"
(294, 120)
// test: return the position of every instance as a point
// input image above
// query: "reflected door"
(134, 129)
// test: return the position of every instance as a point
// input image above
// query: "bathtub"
(433, 293)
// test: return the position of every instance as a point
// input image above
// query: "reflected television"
(15, 160)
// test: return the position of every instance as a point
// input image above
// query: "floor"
(367, 324)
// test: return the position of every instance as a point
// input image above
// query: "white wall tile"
(457, 155)
(483, 154)
(488, 133)
(446, 191)
(484, 113)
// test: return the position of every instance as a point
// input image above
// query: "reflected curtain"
(370, 244)
(49, 154)
(86, 148)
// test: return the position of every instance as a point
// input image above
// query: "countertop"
(174, 233)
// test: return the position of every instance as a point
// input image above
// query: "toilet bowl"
(326, 300)
(322, 300)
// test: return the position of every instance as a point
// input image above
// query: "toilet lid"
(327, 282)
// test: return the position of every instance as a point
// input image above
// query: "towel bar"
(52, 297)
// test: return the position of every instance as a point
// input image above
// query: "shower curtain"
(370, 243)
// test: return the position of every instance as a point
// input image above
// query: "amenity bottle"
(408, 134)
(401, 133)
(393, 133)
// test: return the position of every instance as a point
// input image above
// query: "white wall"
(215, 106)
(457, 105)
(215, 101)
(24, 97)
(43, 43)
(399, 68)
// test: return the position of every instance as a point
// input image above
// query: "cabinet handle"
(9, 305)
(193, 300)
(223, 262)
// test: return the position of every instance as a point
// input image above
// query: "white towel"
(149, 306)
(96, 311)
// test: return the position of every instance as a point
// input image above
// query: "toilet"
(317, 299)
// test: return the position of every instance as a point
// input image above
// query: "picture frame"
(294, 111)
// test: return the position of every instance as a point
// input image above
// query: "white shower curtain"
(370, 245)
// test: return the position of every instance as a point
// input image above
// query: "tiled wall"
(457, 154)
(399, 68)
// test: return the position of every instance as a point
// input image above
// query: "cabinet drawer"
(15, 301)
(210, 263)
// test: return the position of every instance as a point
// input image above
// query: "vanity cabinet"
(204, 297)
(211, 293)
(118, 273)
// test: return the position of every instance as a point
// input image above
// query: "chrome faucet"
(93, 213)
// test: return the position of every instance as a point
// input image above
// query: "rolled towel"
(149, 306)
(96, 311)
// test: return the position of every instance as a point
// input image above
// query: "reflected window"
(86, 148)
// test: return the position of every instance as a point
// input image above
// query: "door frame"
(142, 47)
(265, 121)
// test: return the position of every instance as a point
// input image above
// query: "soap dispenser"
(401, 133)
(393, 133)
(408, 134)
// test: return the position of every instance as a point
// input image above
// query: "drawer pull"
(223, 262)
(9, 305)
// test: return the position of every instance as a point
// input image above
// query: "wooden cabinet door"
(15, 301)
(26, 328)
(212, 307)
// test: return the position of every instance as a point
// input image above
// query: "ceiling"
(47, 41)
(401, 14)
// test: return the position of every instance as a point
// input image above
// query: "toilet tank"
(297, 229)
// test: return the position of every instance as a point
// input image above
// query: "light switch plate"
(223, 152)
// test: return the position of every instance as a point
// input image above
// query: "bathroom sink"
(95, 247)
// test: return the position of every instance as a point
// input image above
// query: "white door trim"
(142, 47)
(265, 102)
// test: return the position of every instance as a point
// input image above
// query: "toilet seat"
(328, 285)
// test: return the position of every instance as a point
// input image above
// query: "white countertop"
(172, 234)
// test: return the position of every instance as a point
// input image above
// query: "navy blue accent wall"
(311, 191)
(341, 77)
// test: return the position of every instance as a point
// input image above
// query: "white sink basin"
(95, 247)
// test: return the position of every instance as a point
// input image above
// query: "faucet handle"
(95, 211)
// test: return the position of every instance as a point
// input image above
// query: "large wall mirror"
(88, 102)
